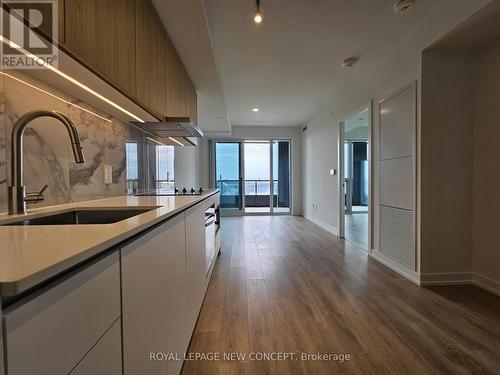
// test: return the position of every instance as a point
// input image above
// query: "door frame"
(212, 172)
(290, 176)
(213, 178)
(341, 175)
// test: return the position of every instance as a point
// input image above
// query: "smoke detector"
(403, 6)
(347, 63)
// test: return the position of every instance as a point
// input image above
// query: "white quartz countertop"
(30, 255)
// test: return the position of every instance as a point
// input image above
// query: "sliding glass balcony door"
(257, 162)
(228, 177)
(253, 176)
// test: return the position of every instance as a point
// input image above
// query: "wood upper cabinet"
(151, 67)
(125, 42)
(181, 94)
(101, 33)
(191, 101)
(175, 82)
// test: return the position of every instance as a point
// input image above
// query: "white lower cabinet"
(153, 299)
(105, 357)
(195, 263)
(86, 323)
(50, 331)
(1, 346)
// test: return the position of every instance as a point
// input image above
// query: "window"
(132, 161)
(165, 167)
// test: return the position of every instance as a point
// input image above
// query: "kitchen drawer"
(105, 357)
(51, 331)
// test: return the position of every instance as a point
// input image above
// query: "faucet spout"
(17, 190)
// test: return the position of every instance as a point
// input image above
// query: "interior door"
(228, 175)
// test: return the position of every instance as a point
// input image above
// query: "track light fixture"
(258, 14)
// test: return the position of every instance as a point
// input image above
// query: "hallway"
(282, 284)
(356, 229)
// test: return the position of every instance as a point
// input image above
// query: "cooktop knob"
(176, 190)
(184, 190)
(201, 190)
(192, 190)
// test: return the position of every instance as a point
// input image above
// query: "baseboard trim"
(486, 283)
(446, 278)
(396, 266)
(326, 227)
(458, 278)
(428, 279)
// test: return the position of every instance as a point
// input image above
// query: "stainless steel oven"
(217, 230)
(210, 229)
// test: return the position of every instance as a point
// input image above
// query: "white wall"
(321, 138)
(446, 164)
(279, 132)
(320, 154)
(320, 145)
(187, 166)
(460, 183)
(486, 175)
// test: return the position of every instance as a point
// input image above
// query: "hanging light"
(258, 14)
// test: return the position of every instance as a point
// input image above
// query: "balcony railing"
(256, 192)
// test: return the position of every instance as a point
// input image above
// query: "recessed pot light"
(255, 109)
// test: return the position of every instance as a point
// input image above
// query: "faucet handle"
(36, 197)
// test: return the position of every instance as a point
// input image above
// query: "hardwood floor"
(356, 229)
(282, 284)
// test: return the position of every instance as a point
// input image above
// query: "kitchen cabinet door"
(1, 346)
(101, 33)
(50, 332)
(175, 82)
(175, 290)
(105, 357)
(191, 101)
(151, 67)
(151, 302)
(195, 262)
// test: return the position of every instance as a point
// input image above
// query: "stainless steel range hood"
(174, 128)
(165, 129)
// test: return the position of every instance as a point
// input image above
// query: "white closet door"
(397, 176)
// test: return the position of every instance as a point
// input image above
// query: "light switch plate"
(108, 174)
(333, 172)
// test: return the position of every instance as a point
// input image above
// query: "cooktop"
(165, 192)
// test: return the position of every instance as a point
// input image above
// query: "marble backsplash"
(47, 153)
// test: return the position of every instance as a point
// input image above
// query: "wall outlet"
(333, 172)
(108, 174)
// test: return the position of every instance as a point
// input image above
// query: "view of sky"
(257, 159)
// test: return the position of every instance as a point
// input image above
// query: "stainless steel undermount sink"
(84, 216)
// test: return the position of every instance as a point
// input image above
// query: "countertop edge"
(16, 287)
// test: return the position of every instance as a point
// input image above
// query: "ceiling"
(477, 32)
(290, 65)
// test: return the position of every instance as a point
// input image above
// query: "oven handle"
(209, 220)
(217, 216)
